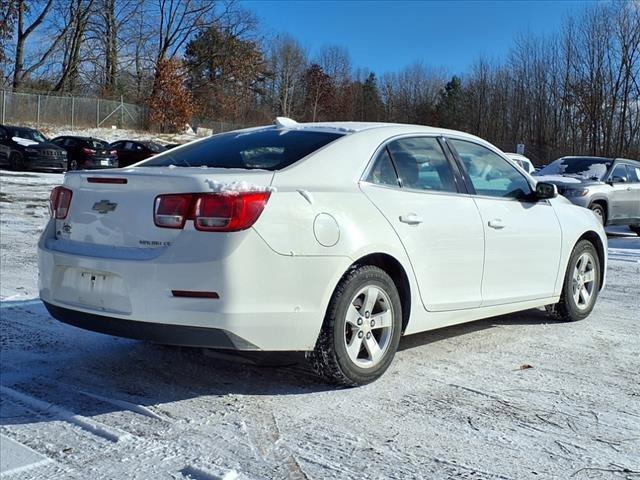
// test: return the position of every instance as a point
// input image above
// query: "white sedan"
(334, 239)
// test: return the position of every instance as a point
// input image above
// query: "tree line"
(574, 92)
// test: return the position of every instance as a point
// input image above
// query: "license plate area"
(102, 291)
(104, 163)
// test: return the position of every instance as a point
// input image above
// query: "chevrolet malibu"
(335, 239)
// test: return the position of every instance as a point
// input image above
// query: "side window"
(633, 173)
(129, 146)
(490, 174)
(422, 165)
(116, 146)
(620, 170)
(383, 172)
(70, 142)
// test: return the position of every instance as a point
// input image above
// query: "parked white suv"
(522, 161)
(334, 239)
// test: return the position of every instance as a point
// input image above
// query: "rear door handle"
(411, 219)
(496, 223)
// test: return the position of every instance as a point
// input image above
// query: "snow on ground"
(511, 397)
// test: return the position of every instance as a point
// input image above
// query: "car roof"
(347, 128)
(517, 155)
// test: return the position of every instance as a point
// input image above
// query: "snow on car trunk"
(116, 208)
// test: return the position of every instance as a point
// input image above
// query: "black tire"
(16, 162)
(599, 211)
(567, 309)
(72, 164)
(330, 359)
(635, 229)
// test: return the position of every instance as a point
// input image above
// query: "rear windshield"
(154, 147)
(592, 168)
(270, 149)
(96, 144)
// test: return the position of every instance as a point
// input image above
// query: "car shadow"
(77, 370)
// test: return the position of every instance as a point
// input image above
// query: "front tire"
(599, 212)
(72, 164)
(581, 285)
(361, 329)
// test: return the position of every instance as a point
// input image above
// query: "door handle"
(496, 223)
(411, 219)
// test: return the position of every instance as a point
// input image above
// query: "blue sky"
(387, 35)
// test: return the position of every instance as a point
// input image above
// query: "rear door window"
(383, 171)
(633, 173)
(266, 149)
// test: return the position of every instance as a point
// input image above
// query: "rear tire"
(635, 229)
(72, 164)
(581, 285)
(361, 329)
(599, 212)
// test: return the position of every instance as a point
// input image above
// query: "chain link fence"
(75, 112)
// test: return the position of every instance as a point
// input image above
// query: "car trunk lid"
(116, 207)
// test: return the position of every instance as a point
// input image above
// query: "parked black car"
(23, 148)
(134, 151)
(87, 152)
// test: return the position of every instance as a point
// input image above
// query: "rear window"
(271, 149)
(96, 144)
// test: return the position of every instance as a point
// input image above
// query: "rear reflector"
(210, 212)
(192, 294)
(106, 180)
(59, 202)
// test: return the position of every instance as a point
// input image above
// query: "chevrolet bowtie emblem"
(104, 206)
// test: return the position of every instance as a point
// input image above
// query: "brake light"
(210, 212)
(114, 152)
(172, 211)
(59, 202)
(228, 212)
(88, 151)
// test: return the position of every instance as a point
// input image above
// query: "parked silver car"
(609, 187)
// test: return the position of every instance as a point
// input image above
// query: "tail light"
(210, 212)
(88, 151)
(59, 202)
(172, 211)
(114, 153)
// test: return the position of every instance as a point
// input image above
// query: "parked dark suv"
(87, 153)
(23, 148)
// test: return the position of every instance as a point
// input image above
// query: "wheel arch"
(596, 241)
(398, 274)
(604, 203)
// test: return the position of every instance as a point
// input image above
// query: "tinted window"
(117, 145)
(633, 173)
(583, 167)
(383, 171)
(70, 142)
(154, 147)
(269, 149)
(491, 174)
(619, 170)
(96, 144)
(421, 164)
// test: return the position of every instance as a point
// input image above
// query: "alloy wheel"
(369, 326)
(583, 280)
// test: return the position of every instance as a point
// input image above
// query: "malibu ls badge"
(104, 206)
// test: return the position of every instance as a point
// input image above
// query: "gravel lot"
(511, 397)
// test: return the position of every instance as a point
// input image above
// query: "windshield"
(29, 134)
(584, 167)
(268, 149)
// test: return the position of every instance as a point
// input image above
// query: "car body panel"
(321, 218)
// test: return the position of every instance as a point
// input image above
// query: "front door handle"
(411, 219)
(496, 223)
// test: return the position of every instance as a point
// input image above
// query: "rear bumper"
(267, 301)
(183, 335)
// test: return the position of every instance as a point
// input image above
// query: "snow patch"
(236, 187)
(25, 142)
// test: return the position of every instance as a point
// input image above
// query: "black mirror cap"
(546, 190)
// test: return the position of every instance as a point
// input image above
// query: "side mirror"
(617, 179)
(546, 190)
